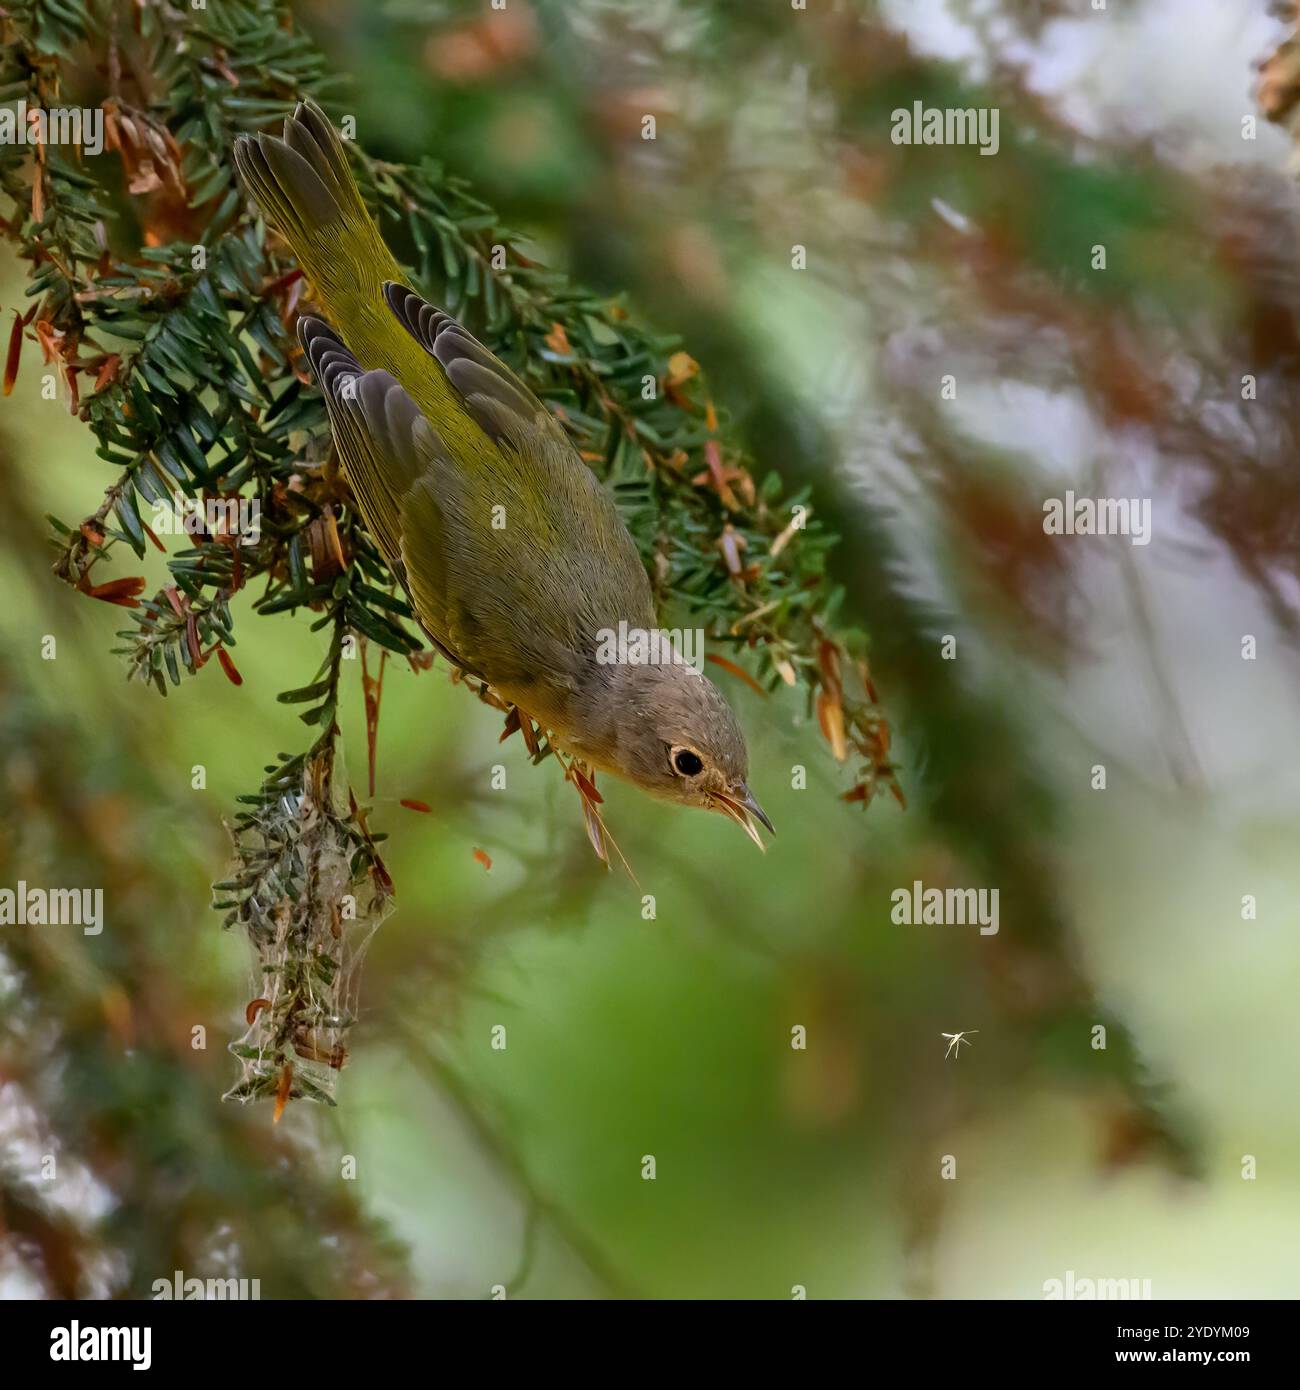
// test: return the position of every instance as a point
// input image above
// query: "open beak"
(744, 810)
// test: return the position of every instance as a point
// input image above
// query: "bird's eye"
(687, 763)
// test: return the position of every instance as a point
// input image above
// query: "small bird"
(513, 554)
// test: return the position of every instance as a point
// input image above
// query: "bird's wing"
(384, 440)
(387, 446)
(499, 402)
(514, 558)
(531, 542)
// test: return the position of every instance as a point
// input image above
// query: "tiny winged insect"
(955, 1040)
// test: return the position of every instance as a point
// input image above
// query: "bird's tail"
(304, 187)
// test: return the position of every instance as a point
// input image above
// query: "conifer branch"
(167, 318)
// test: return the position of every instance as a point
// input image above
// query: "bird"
(512, 553)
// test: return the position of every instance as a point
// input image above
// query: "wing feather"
(387, 446)
(513, 553)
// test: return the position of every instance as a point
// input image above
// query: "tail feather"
(304, 187)
(264, 190)
(298, 180)
(310, 133)
(303, 184)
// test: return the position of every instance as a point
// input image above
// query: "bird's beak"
(744, 810)
(754, 809)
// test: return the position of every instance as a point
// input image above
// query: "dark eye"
(687, 763)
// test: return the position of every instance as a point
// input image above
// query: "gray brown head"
(670, 731)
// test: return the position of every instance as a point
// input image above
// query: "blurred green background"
(775, 1167)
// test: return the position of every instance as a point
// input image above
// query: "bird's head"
(677, 739)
